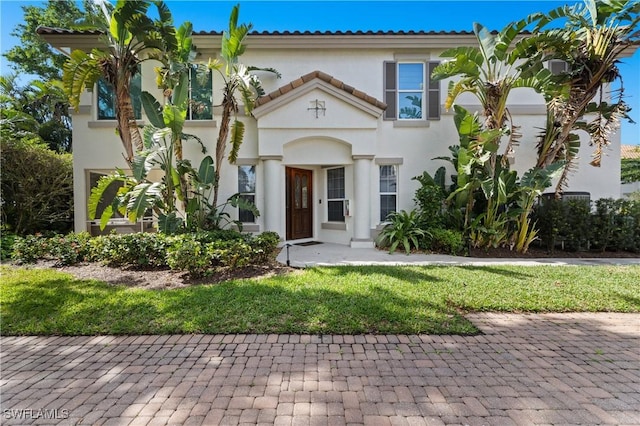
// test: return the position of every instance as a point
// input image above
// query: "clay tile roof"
(49, 30)
(323, 77)
(630, 151)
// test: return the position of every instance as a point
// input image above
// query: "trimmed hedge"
(197, 253)
(611, 225)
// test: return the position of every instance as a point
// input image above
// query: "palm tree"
(489, 71)
(593, 38)
(40, 108)
(237, 78)
(129, 37)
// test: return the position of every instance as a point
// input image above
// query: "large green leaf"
(152, 109)
(181, 92)
(97, 192)
(174, 118)
(79, 72)
(207, 171)
(539, 179)
(487, 41)
(141, 166)
(238, 201)
(141, 198)
(169, 224)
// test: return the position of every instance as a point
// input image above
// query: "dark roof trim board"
(327, 79)
(208, 42)
(50, 30)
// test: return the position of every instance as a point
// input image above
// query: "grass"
(333, 300)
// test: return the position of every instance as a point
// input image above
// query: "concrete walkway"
(525, 369)
(327, 254)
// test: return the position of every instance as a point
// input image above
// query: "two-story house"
(334, 145)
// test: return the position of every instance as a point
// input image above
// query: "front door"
(299, 203)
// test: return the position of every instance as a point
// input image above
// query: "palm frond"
(236, 137)
(81, 71)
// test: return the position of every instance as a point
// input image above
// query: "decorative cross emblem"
(317, 106)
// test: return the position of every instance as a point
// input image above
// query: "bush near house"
(611, 225)
(197, 253)
(35, 202)
(630, 170)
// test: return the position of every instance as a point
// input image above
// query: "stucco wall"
(292, 131)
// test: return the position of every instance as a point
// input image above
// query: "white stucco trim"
(246, 161)
(518, 109)
(389, 161)
(106, 124)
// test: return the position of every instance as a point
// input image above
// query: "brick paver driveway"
(525, 369)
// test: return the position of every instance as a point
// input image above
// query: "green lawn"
(340, 300)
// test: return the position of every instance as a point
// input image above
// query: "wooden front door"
(299, 203)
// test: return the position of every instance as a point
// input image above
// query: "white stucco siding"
(361, 69)
(344, 130)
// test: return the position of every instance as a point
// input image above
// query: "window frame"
(189, 117)
(431, 91)
(555, 62)
(135, 98)
(387, 193)
(400, 91)
(251, 195)
(333, 200)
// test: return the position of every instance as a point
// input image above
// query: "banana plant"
(137, 194)
(532, 184)
(591, 38)
(489, 71)
(237, 79)
(129, 37)
(200, 212)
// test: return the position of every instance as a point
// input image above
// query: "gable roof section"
(324, 77)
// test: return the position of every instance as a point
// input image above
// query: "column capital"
(363, 157)
(271, 157)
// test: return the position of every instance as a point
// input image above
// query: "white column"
(272, 194)
(362, 202)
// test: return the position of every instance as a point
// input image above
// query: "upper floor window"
(200, 95)
(557, 66)
(409, 92)
(335, 194)
(107, 98)
(247, 189)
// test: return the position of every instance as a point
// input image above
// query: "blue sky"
(207, 15)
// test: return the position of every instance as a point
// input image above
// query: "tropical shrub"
(197, 253)
(430, 199)
(616, 225)
(7, 239)
(403, 229)
(186, 253)
(441, 240)
(612, 225)
(136, 249)
(35, 202)
(29, 248)
(265, 247)
(630, 170)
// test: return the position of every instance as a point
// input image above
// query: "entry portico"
(317, 139)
